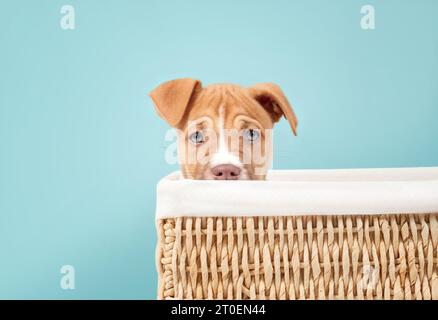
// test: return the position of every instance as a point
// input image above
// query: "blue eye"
(251, 134)
(197, 137)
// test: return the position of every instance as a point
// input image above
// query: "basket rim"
(303, 192)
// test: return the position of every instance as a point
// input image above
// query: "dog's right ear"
(172, 98)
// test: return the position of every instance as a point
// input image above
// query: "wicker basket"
(324, 234)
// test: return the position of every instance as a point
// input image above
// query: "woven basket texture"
(299, 257)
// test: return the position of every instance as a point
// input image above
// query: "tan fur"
(185, 105)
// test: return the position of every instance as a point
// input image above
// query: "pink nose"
(225, 172)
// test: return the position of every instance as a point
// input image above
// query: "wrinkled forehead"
(226, 103)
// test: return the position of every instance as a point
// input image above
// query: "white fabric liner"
(303, 192)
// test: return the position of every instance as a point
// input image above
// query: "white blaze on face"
(223, 156)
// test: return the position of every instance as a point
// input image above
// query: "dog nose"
(225, 172)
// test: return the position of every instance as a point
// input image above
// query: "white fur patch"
(223, 156)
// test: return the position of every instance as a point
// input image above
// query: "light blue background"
(81, 148)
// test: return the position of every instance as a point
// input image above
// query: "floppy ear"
(172, 98)
(273, 100)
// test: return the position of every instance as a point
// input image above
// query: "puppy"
(224, 130)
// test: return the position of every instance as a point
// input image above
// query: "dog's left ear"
(172, 98)
(273, 100)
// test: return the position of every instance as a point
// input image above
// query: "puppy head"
(224, 131)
